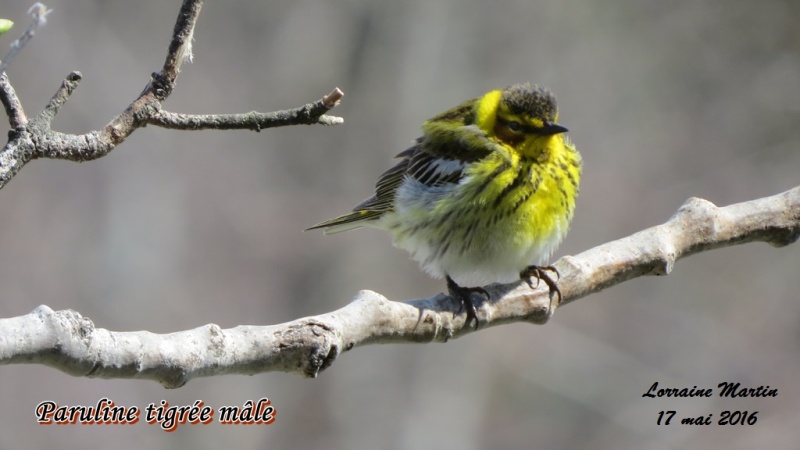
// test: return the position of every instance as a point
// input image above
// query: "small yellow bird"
(488, 190)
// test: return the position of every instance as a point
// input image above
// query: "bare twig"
(69, 342)
(308, 114)
(180, 48)
(58, 100)
(39, 13)
(12, 105)
(37, 140)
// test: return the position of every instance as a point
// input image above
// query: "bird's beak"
(551, 129)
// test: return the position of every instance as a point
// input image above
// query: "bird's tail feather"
(355, 219)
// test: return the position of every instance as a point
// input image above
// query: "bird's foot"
(540, 273)
(464, 296)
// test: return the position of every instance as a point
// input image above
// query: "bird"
(485, 195)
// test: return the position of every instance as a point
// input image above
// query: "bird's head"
(519, 115)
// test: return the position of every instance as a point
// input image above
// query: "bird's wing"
(386, 186)
(380, 202)
(451, 141)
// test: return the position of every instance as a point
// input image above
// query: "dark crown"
(530, 100)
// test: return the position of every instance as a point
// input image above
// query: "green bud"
(5, 25)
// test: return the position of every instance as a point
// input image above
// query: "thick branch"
(69, 342)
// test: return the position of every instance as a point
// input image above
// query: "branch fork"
(34, 138)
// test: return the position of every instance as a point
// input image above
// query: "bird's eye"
(515, 127)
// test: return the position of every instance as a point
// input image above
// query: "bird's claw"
(540, 273)
(463, 295)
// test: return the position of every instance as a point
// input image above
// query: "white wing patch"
(444, 167)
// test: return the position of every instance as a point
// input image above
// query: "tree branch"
(35, 139)
(39, 13)
(69, 342)
(13, 107)
(308, 114)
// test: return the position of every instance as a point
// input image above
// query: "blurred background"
(173, 230)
